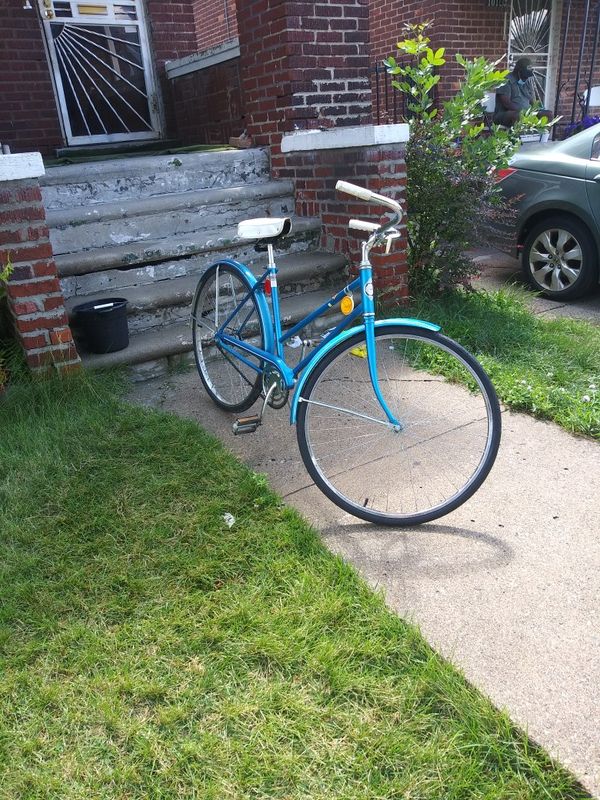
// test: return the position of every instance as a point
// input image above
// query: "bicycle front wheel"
(428, 465)
(223, 298)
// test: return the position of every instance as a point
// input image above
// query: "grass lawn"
(547, 367)
(147, 650)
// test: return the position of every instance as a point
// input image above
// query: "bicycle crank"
(251, 423)
(274, 391)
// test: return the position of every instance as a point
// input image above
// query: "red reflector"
(268, 287)
(501, 174)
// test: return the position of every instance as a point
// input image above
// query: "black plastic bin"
(102, 324)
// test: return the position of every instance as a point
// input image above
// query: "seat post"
(274, 293)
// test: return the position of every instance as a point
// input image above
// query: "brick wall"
(172, 28)
(469, 28)
(29, 118)
(571, 58)
(34, 295)
(216, 22)
(381, 169)
(473, 28)
(208, 104)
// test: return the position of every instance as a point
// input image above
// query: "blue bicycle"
(396, 423)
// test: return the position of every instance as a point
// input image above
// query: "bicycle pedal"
(246, 424)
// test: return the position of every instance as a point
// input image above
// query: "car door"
(593, 180)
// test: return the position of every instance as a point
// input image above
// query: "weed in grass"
(147, 650)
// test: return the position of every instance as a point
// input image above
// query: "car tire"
(560, 258)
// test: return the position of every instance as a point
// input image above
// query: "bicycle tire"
(230, 383)
(450, 427)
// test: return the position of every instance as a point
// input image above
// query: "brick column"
(34, 294)
(304, 65)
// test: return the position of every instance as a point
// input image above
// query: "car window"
(596, 147)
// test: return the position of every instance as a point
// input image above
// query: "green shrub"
(451, 160)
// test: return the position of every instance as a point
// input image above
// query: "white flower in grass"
(592, 386)
(586, 398)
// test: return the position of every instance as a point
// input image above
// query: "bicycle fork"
(366, 284)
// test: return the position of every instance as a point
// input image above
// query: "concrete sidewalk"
(499, 271)
(506, 587)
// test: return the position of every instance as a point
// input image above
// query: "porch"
(560, 37)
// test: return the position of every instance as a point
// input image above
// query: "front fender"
(405, 322)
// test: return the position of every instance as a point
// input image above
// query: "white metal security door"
(102, 70)
(532, 34)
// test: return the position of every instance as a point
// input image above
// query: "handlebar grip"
(369, 196)
(355, 191)
(363, 225)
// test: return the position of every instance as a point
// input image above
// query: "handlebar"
(379, 233)
(369, 196)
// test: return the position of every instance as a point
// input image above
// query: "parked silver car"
(555, 190)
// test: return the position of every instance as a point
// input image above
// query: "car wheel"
(560, 258)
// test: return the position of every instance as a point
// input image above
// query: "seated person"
(516, 95)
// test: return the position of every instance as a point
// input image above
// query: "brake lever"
(390, 236)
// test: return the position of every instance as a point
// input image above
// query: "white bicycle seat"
(264, 228)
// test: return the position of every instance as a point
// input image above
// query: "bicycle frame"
(271, 322)
(273, 352)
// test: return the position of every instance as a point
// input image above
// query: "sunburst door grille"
(101, 70)
(530, 37)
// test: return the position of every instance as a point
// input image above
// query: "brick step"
(115, 180)
(177, 214)
(150, 251)
(153, 353)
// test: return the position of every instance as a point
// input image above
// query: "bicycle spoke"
(224, 297)
(443, 450)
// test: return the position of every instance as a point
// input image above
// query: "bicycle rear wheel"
(231, 383)
(449, 418)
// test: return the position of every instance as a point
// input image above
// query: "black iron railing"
(389, 104)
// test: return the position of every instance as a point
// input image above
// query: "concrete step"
(106, 150)
(114, 281)
(166, 301)
(153, 353)
(150, 251)
(114, 180)
(183, 213)
(297, 272)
